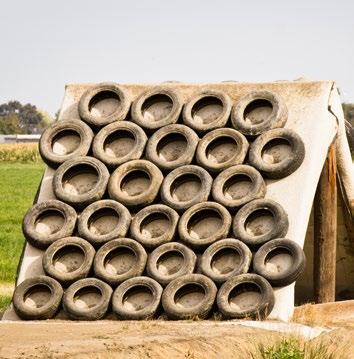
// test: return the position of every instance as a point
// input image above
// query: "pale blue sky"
(45, 44)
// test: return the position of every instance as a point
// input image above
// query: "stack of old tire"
(160, 207)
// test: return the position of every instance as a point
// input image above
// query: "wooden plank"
(325, 231)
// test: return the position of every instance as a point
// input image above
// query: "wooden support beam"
(325, 231)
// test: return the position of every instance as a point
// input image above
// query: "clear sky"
(46, 44)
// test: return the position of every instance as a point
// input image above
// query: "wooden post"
(325, 231)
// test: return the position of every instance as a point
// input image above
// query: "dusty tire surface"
(154, 225)
(237, 186)
(259, 111)
(135, 183)
(119, 260)
(277, 153)
(280, 261)
(259, 221)
(87, 299)
(137, 299)
(203, 224)
(190, 296)
(185, 186)
(37, 298)
(246, 296)
(172, 146)
(224, 259)
(219, 149)
(64, 140)
(104, 103)
(80, 181)
(68, 259)
(103, 221)
(170, 261)
(48, 221)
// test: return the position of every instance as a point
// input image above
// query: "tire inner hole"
(156, 108)
(103, 221)
(245, 296)
(80, 179)
(66, 142)
(185, 187)
(276, 151)
(278, 260)
(49, 222)
(104, 104)
(204, 223)
(257, 111)
(237, 186)
(189, 296)
(137, 298)
(87, 297)
(37, 296)
(260, 222)
(207, 110)
(68, 259)
(225, 261)
(119, 261)
(135, 183)
(155, 225)
(119, 143)
(170, 263)
(221, 150)
(172, 147)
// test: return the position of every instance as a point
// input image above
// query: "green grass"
(19, 183)
(5, 301)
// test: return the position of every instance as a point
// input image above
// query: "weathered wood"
(325, 231)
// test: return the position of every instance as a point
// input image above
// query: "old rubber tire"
(221, 148)
(64, 140)
(274, 141)
(228, 266)
(135, 194)
(182, 261)
(132, 140)
(280, 277)
(204, 291)
(92, 312)
(142, 308)
(171, 108)
(258, 209)
(66, 221)
(103, 91)
(80, 167)
(185, 186)
(215, 104)
(94, 225)
(210, 219)
(149, 227)
(237, 186)
(133, 252)
(253, 104)
(72, 269)
(172, 146)
(246, 282)
(50, 304)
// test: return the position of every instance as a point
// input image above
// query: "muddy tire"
(154, 225)
(277, 153)
(237, 186)
(221, 148)
(157, 107)
(80, 181)
(47, 222)
(170, 261)
(135, 183)
(207, 110)
(188, 297)
(64, 140)
(94, 296)
(172, 146)
(255, 308)
(185, 186)
(276, 275)
(44, 292)
(68, 260)
(225, 259)
(119, 260)
(119, 142)
(203, 224)
(259, 221)
(259, 111)
(104, 103)
(137, 299)
(103, 221)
